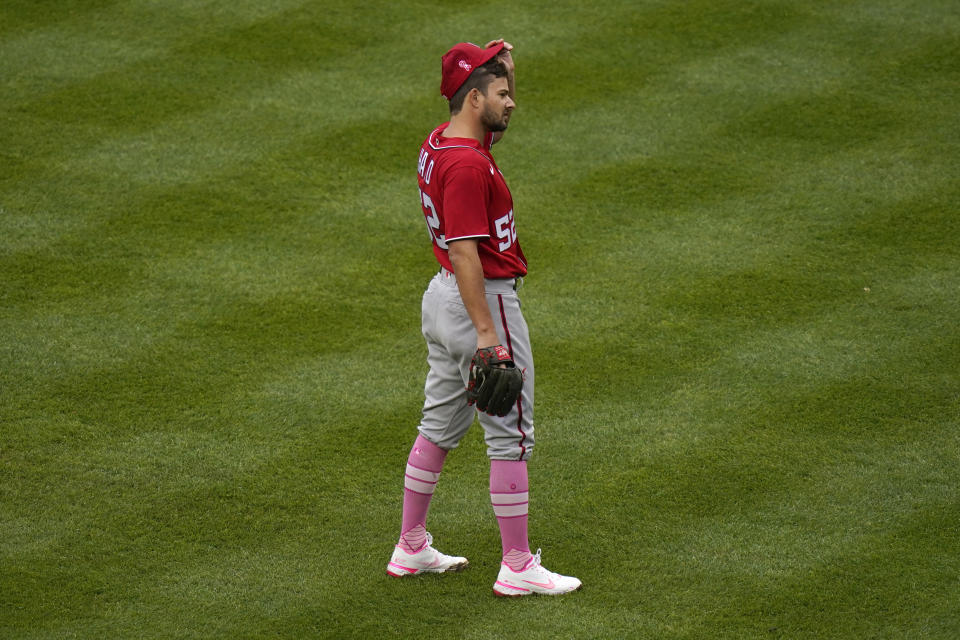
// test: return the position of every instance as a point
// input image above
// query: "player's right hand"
(504, 56)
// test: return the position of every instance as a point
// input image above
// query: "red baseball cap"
(459, 63)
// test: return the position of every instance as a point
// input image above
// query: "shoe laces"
(535, 563)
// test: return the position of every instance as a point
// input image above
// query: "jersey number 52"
(506, 230)
(433, 221)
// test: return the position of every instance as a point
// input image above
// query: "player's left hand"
(495, 381)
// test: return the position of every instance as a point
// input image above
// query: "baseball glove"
(495, 381)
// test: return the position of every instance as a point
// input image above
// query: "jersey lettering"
(433, 221)
(507, 234)
(423, 169)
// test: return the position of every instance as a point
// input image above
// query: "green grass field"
(742, 225)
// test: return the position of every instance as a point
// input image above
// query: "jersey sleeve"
(465, 200)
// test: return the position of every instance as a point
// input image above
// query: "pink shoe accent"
(546, 585)
(406, 570)
(504, 585)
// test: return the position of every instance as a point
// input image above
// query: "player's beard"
(492, 122)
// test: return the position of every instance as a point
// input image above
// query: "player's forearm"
(506, 56)
(469, 272)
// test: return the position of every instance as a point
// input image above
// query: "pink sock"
(423, 471)
(509, 496)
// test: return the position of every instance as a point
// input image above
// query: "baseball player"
(478, 346)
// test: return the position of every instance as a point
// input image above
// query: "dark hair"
(481, 78)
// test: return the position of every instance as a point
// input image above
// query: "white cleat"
(426, 560)
(534, 578)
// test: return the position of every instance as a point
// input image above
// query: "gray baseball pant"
(451, 343)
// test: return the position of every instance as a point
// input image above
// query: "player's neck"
(462, 126)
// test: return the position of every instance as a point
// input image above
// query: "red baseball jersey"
(464, 195)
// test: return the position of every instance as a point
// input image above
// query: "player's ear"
(475, 97)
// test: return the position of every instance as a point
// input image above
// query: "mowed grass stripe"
(20, 17)
(83, 41)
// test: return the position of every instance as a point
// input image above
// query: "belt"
(491, 285)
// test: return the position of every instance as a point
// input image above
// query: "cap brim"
(491, 52)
